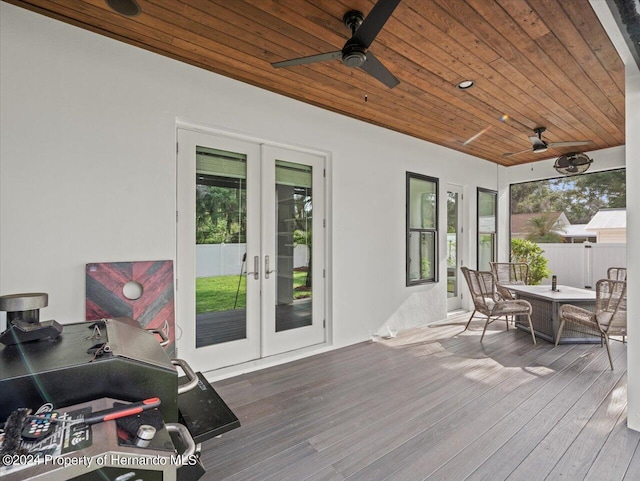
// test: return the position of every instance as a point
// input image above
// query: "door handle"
(256, 268)
(266, 268)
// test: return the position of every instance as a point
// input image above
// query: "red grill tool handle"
(122, 411)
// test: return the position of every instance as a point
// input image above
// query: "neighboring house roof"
(520, 222)
(608, 219)
(577, 230)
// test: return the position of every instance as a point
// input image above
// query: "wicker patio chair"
(617, 273)
(487, 301)
(510, 273)
(609, 317)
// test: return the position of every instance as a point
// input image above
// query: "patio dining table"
(546, 304)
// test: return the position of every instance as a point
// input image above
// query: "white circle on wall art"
(132, 290)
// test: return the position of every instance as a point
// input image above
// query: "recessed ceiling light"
(128, 8)
(466, 84)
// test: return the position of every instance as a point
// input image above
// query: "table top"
(562, 294)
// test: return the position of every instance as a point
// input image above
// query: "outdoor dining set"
(558, 314)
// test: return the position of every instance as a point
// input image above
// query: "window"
(561, 210)
(487, 223)
(422, 229)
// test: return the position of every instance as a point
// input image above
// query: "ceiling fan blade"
(373, 23)
(509, 154)
(321, 57)
(374, 68)
(569, 144)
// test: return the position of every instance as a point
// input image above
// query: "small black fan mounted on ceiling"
(573, 163)
(354, 54)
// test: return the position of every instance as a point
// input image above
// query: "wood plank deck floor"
(223, 326)
(432, 404)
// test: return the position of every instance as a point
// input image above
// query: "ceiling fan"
(539, 145)
(573, 163)
(354, 53)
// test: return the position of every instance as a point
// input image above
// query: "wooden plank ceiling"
(535, 63)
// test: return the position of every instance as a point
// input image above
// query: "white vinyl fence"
(226, 259)
(582, 265)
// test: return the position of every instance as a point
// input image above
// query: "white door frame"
(257, 344)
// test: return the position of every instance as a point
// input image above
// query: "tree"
(304, 237)
(531, 253)
(578, 196)
(532, 197)
(302, 234)
(544, 228)
(220, 214)
(452, 212)
(584, 195)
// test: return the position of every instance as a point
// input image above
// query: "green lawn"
(219, 293)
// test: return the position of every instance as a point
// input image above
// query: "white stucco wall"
(87, 172)
(633, 240)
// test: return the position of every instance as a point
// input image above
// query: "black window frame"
(494, 256)
(434, 231)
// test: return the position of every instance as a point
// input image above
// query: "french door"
(250, 257)
(454, 246)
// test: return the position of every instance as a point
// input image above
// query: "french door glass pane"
(294, 207)
(486, 211)
(452, 244)
(221, 229)
(487, 216)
